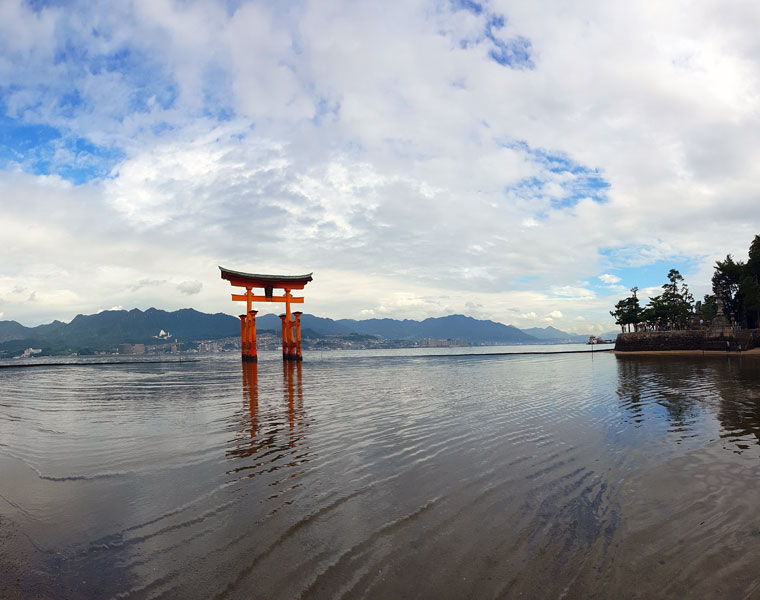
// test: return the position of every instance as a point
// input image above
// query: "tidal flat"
(359, 475)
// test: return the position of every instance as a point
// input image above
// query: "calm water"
(353, 475)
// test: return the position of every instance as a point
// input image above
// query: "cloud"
(555, 314)
(572, 292)
(190, 287)
(610, 279)
(466, 157)
(649, 292)
(118, 307)
(133, 287)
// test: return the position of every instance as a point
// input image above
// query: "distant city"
(270, 341)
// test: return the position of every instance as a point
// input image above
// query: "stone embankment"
(695, 339)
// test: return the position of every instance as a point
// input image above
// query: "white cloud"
(649, 292)
(555, 314)
(400, 169)
(616, 288)
(607, 278)
(190, 288)
(572, 292)
(118, 307)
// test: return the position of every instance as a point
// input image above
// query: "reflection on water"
(493, 476)
(686, 391)
(279, 433)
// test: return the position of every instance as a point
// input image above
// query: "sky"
(525, 162)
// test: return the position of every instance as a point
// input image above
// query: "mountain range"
(107, 329)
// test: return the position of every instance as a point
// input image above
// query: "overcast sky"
(526, 162)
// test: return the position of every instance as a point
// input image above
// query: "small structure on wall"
(291, 322)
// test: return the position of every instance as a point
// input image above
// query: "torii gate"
(291, 329)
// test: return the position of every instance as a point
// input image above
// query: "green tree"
(671, 309)
(628, 311)
(709, 309)
(726, 283)
(749, 288)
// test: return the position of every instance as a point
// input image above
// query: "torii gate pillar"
(291, 325)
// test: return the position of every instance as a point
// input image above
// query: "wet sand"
(21, 564)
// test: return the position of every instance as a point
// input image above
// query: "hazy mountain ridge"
(552, 333)
(107, 329)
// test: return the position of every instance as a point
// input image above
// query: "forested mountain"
(108, 329)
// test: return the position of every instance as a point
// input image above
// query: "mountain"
(384, 328)
(319, 325)
(108, 329)
(11, 330)
(457, 327)
(552, 334)
(451, 327)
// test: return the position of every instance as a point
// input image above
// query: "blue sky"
(526, 164)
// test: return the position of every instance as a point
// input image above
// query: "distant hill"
(457, 327)
(319, 325)
(108, 329)
(11, 330)
(552, 334)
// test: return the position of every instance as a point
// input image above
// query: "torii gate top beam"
(253, 280)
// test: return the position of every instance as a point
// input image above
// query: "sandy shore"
(755, 352)
(19, 564)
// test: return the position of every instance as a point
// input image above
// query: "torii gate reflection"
(264, 435)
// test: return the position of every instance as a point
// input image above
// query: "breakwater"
(694, 339)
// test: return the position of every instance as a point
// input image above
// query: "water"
(359, 474)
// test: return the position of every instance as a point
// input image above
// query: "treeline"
(735, 283)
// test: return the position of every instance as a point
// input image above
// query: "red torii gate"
(291, 329)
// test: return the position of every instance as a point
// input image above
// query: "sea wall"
(699, 339)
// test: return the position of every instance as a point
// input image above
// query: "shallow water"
(357, 475)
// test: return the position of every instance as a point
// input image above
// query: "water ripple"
(377, 477)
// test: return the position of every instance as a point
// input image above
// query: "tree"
(726, 283)
(671, 309)
(749, 288)
(709, 309)
(628, 311)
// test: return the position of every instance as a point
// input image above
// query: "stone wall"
(700, 339)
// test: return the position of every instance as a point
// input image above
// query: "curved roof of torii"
(238, 278)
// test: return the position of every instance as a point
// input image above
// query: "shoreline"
(755, 352)
(404, 356)
(96, 363)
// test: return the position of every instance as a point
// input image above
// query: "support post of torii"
(291, 329)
